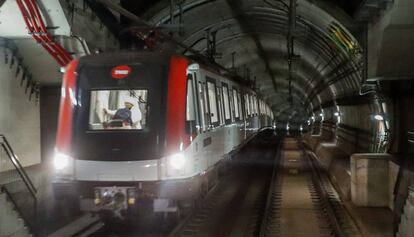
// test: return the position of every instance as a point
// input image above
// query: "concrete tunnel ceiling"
(256, 32)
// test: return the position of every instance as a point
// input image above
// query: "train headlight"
(61, 161)
(177, 161)
(131, 194)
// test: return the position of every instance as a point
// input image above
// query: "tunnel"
(333, 76)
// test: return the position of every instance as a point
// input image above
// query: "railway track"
(236, 205)
(301, 200)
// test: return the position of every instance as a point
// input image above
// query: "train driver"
(130, 115)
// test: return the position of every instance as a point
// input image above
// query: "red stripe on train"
(176, 105)
(67, 104)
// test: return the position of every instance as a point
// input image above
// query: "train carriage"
(148, 125)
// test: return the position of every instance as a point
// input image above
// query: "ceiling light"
(378, 117)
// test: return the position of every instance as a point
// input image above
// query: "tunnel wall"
(386, 58)
(19, 117)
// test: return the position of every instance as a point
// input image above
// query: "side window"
(220, 105)
(190, 114)
(202, 108)
(212, 101)
(255, 105)
(249, 107)
(246, 105)
(231, 105)
(226, 102)
(236, 104)
(240, 105)
(191, 124)
(206, 106)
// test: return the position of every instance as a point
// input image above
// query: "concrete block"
(314, 141)
(370, 179)
(340, 174)
(326, 152)
(393, 169)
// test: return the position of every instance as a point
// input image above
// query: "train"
(151, 126)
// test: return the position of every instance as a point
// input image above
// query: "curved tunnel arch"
(334, 72)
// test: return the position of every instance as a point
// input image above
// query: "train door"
(227, 117)
(193, 120)
(220, 132)
(205, 123)
(236, 131)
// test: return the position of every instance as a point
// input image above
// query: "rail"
(272, 185)
(329, 208)
(16, 184)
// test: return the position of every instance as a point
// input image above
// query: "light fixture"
(321, 114)
(336, 114)
(378, 117)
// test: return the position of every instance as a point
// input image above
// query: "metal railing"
(17, 185)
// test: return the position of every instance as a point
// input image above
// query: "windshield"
(118, 109)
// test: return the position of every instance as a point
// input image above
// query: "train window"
(220, 105)
(190, 115)
(211, 87)
(246, 105)
(252, 105)
(260, 107)
(226, 102)
(240, 105)
(231, 105)
(207, 117)
(263, 108)
(118, 109)
(249, 110)
(256, 111)
(191, 123)
(201, 102)
(236, 104)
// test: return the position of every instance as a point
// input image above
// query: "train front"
(112, 132)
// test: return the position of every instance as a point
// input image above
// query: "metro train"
(148, 126)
